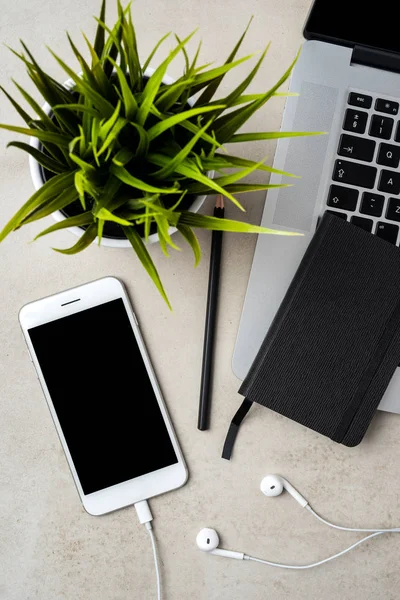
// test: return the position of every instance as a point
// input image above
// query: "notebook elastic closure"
(387, 336)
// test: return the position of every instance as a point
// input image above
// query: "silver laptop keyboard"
(366, 177)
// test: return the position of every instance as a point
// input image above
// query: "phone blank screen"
(103, 396)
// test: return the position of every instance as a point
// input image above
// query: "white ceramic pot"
(38, 181)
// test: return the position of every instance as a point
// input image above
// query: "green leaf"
(85, 166)
(153, 84)
(238, 175)
(129, 179)
(80, 188)
(152, 53)
(159, 128)
(87, 238)
(217, 224)
(146, 260)
(113, 45)
(168, 213)
(53, 92)
(171, 95)
(167, 170)
(147, 224)
(87, 72)
(130, 104)
(228, 124)
(106, 215)
(237, 92)
(192, 67)
(78, 108)
(161, 238)
(99, 39)
(98, 73)
(107, 125)
(85, 184)
(271, 135)
(130, 44)
(203, 79)
(185, 54)
(144, 141)
(123, 157)
(205, 136)
(27, 118)
(63, 199)
(77, 221)
(191, 238)
(188, 171)
(86, 118)
(44, 136)
(105, 107)
(112, 137)
(109, 192)
(43, 159)
(226, 161)
(163, 229)
(100, 228)
(49, 190)
(212, 88)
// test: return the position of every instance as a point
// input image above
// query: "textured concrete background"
(49, 547)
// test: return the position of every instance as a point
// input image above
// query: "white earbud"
(208, 540)
(273, 485)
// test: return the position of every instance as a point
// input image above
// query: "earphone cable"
(360, 530)
(320, 562)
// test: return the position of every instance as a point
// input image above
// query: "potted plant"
(123, 154)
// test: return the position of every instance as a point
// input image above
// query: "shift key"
(354, 174)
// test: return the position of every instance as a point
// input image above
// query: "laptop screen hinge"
(379, 59)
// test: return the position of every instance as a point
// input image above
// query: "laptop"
(348, 80)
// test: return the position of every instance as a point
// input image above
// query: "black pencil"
(211, 313)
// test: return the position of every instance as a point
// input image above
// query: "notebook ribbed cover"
(334, 344)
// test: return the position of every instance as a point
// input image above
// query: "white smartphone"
(103, 395)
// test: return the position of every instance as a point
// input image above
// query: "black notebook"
(334, 344)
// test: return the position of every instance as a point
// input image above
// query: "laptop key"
(359, 100)
(387, 231)
(355, 120)
(381, 127)
(372, 204)
(397, 136)
(356, 147)
(354, 174)
(389, 182)
(337, 214)
(393, 210)
(387, 106)
(342, 197)
(362, 223)
(389, 155)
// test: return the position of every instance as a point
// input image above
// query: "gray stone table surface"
(50, 549)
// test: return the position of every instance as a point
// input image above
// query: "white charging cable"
(145, 517)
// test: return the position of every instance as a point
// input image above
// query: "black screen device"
(102, 396)
(355, 22)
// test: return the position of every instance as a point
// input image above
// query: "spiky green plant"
(126, 148)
